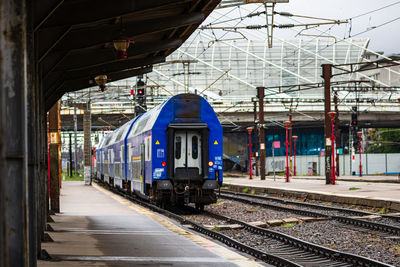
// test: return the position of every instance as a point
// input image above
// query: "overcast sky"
(385, 38)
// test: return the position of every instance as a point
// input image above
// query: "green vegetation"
(383, 140)
(252, 192)
(384, 211)
(216, 229)
(288, 224)
(245, 190)
(354, 188)
(74, 177)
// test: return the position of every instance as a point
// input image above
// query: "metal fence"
(385, 163)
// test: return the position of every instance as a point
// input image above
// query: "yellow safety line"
(208, 244)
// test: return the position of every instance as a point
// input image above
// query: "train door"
(142, 167)
(187, 147)
(122, 162)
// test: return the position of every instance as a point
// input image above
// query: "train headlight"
(210, 163)
(163, 163)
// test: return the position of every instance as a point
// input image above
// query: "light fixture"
(101, 81)
(122, 45)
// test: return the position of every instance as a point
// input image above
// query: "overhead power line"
(375, 10)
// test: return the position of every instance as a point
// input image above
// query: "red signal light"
(210, 163)
(163, 163)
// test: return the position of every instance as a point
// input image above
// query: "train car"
(170, 154)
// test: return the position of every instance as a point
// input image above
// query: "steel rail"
(317, 250)
(353, 221)
(261, 255)
(313, 205)
(322, 252)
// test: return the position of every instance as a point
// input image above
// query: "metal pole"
(366, 161)
(287, 124)
(249, 129)
(359, 148)
(260, 91)
(335, 100)
(287, 156)
(386, 166)
(294, 167)
(333, 154)
(273, 161)
(86, 144)
(70, 155)
(290, 143)
(256, 137)
(76, 140)
(327, 74)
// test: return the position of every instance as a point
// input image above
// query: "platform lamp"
(332, 115)
(122, 46)
(359, 133)
(287, 126)
(294, 138)
(249, 130)
(101, 81)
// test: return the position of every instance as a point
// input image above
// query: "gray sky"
(385, 38)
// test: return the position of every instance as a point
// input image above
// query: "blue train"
(170, 154)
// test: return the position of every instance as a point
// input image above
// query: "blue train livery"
(170, 154)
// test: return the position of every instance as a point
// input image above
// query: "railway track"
(312, 205)
(287, 250)
(266, 202)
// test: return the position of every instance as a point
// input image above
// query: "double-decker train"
(170, 154)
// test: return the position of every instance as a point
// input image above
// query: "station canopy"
(226, 72)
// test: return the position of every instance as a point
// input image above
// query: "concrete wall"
(371, 164)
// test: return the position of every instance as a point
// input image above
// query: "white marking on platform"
(144, 259)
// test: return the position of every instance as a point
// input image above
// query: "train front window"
(178, 148)
(195, 145)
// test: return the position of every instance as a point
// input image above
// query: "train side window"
(195, 144)
(178, 147)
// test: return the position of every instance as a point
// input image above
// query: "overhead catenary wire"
(375, 10)
(373, 28)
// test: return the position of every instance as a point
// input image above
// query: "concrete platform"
(360, 191)
(98, 228)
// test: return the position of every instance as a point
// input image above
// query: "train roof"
(146, 121)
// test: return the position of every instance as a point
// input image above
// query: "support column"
(87, 144)
(55, 156)
(260, 94)
(75, 141)
(327, 74)
(33, 136)
(290, 143)
(70, 155)
(335, 100)
(14, 219)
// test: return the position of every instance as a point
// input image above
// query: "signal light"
(210, 163)
(140, 92)
(163, 163)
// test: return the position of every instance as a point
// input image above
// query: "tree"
(383, 140)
